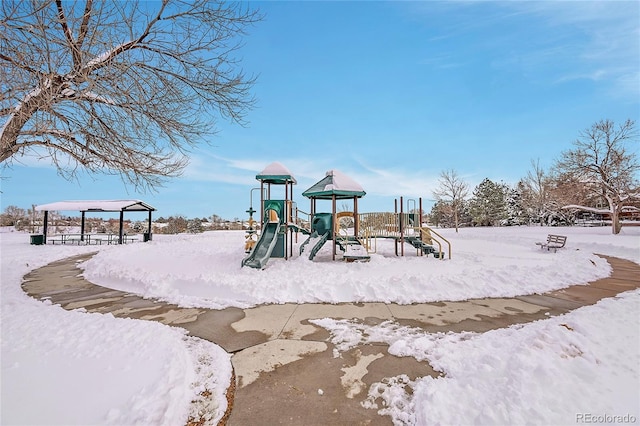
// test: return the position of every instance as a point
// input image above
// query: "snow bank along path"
(104, 300)
(36, 367)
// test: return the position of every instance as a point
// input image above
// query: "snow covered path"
(269, 338)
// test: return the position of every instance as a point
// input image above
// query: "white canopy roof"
(97, 206)
(275, 168)
(276, 173)
(342, 182)
(335, 184)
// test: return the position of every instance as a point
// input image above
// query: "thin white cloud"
(393, 182)
(205, 166)
(381, 181)
(562, 41)
(209, 168)
(609, 40)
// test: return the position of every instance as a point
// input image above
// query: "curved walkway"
(281, 360)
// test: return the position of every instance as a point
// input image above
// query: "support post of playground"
(333, 213)
(401, 227)
(420, 220)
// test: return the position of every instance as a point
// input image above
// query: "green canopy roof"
(276, 173)
(335, 184)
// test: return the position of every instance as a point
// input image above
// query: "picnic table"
(88, 239)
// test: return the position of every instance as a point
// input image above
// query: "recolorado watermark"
(605, 418)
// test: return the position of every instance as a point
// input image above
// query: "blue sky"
(391, 94)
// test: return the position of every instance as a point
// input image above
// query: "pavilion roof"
(97, 206)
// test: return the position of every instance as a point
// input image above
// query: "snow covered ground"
(62, 367)
(75, 368)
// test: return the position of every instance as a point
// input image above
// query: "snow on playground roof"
(335, 183)
(276, 173)
(97, 206)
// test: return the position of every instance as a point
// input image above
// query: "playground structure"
(354, 234)
(276, 219)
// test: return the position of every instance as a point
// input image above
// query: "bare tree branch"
(125, 88)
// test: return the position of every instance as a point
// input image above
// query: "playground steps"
(427, 249)
(350, 258)
(344, 243)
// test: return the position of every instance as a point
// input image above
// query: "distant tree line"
(30, 220)
(180, 224)
(498, 204)
(599, 174)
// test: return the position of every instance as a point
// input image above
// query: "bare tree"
(118, 87)
(453, 189)
(176, 224)
(13, 216)
(537, 183)
(602, 162)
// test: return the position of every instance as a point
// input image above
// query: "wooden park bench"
(553, 242)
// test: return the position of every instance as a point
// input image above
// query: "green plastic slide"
(261, 252)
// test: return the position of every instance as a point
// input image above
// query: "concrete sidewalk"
(281, 360)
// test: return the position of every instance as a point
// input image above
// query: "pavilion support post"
(45, 222)
(121, 232)
(149, 225)
(82, 226)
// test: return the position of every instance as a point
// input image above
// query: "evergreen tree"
(488, 206)
(516, 211)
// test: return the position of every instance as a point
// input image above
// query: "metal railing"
(398, 225)
(426, 236)
(301, 219)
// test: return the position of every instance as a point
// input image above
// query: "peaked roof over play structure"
(97, 206)
(276, 173)
(335, 184)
